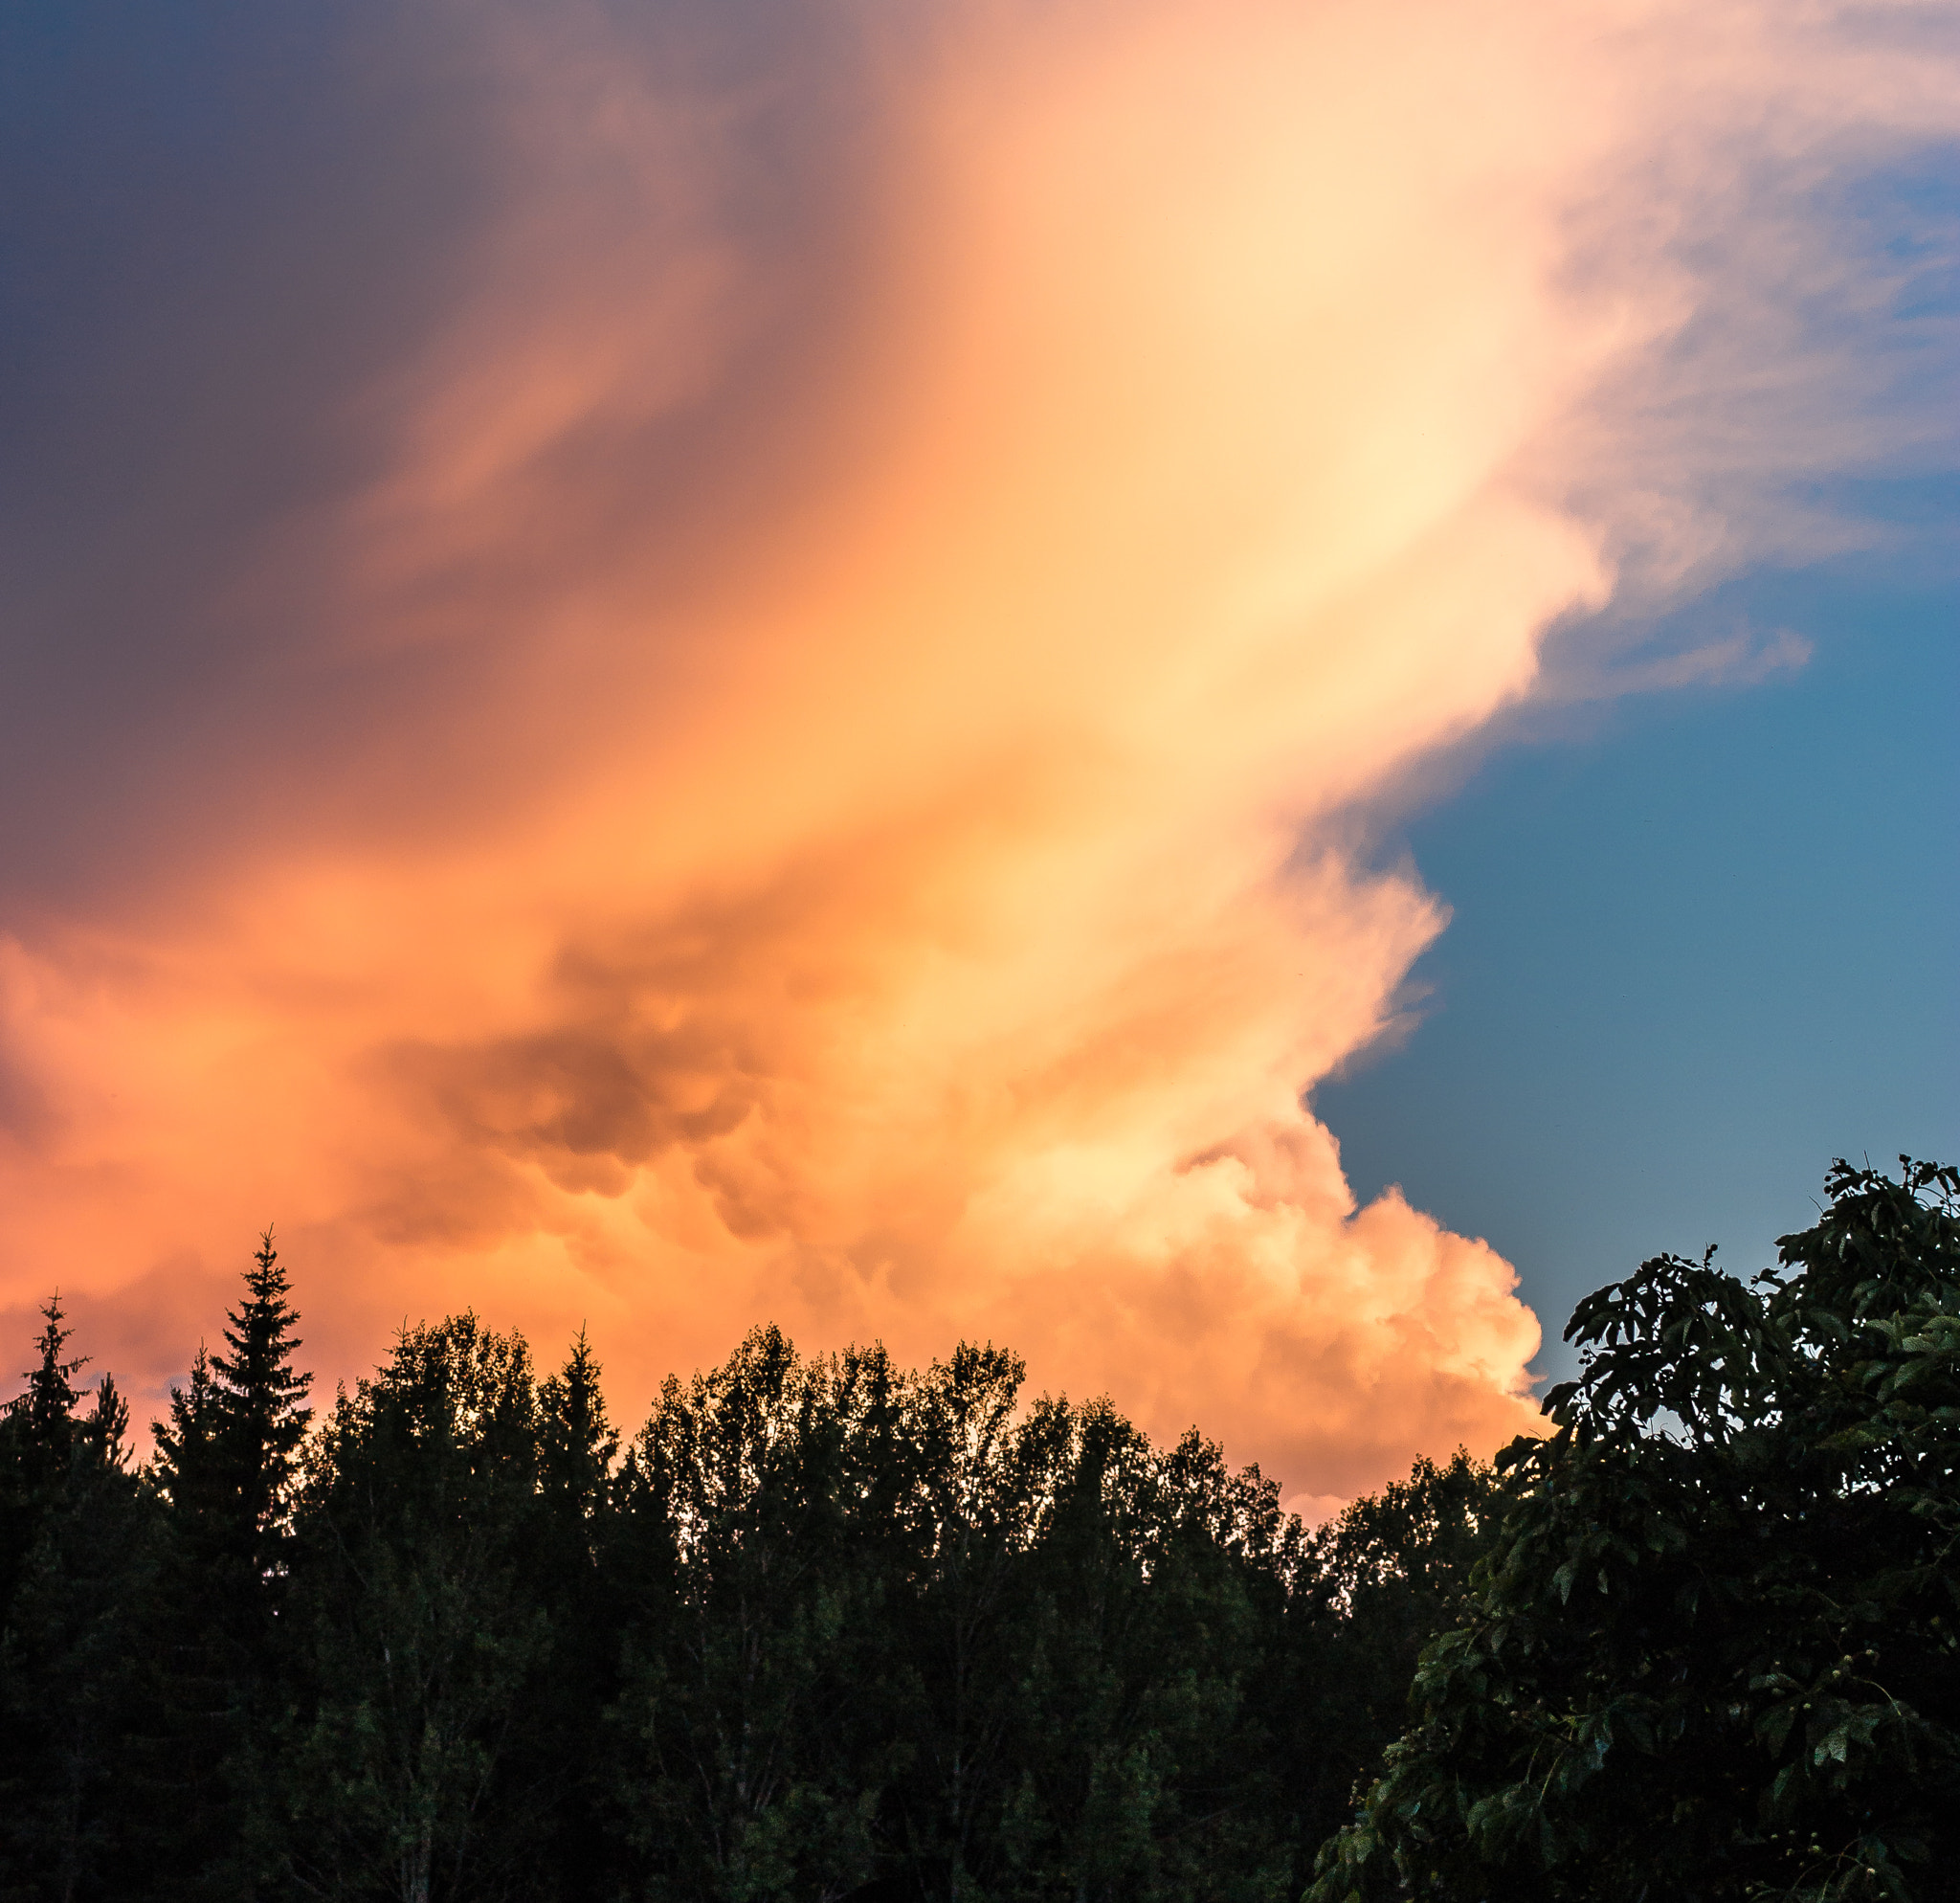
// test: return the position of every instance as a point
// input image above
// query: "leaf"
(1772, 1728)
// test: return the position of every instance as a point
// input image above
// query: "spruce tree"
(79, 1556)
(37, 1439)
(226, 1459)
(186, 1464)
(224, 1463)
(43, 1414)
(259, 1400)
(577, 1450)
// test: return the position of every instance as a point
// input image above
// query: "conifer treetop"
(50, 1395)
(257, 1378)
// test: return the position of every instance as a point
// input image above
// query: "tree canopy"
(1714, 1651)
(827, 1628)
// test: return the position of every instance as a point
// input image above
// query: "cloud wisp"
(775, 749)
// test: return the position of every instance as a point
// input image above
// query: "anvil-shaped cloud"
(695, 664)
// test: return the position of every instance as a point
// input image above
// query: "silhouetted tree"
(738, 1776)
(420, 1641)
(226, 1459)
(36, 1436)
(225, 1465)
(555, 1751)
(1373, 1586)
(71, 1653)
(1141, 1771)
(833, 1629)
(1712, 1654)
(966, 1629)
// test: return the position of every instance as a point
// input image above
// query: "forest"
(824, 1627)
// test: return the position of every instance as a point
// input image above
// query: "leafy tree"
(739, 1774)
(890, 1630)
(1713, 1654)
(976, 1485)
(1145, 1770)
(420, 1642)
(1373, 1587)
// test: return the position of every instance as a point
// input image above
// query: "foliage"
(831, 1628)
(1712, 1652)
(1377, 1582)
(418, 1628)
(739, 1771)
(891, 1630)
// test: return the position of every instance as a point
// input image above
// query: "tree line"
(829, 1629)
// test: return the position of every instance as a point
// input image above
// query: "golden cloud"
(863, 609)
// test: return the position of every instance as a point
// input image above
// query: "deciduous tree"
(1713, 1654)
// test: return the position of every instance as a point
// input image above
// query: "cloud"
(765, 739)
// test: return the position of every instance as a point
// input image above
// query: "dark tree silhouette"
(225, 1465)
(421, 1643)
(40, 1419)
(80, 1563)
(828, 1628)
(1712, 1654)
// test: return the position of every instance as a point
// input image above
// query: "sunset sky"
(1235, 692)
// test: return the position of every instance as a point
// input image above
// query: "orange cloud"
(856, 670)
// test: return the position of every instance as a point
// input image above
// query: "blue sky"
(1702, 941)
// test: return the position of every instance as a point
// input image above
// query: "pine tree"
(577, 1444)
(37, 1439)
(186, 1464)
(43, 1413)
(225, 1465)
(259, 1402)
(227, 1458)
(577, 1449)
(80, 1560)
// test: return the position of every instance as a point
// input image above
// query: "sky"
(1236, 693)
